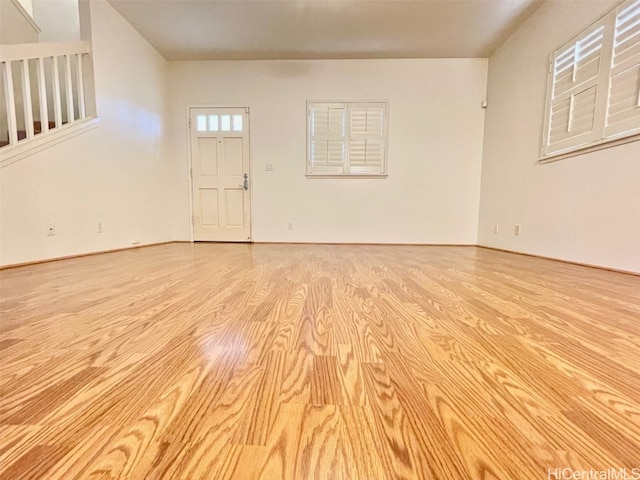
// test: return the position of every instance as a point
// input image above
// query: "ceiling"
(314, 29)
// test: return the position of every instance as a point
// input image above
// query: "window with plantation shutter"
(327, 142)
(346, 138)
(594, 84)
(575, 90)
(623, 109)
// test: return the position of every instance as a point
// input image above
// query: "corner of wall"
(583, 209)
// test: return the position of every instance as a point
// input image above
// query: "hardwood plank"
(36, 463)
(323, 453)
(325, 382)
(283, 444)
(256, 423)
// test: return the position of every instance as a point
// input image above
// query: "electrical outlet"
(99, 230)
(516, 229)
(269, 167)
(290, 225)
(496, 229)
(51, 230)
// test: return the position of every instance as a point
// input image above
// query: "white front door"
(220, 174)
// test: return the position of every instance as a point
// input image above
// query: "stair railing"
(52, 72)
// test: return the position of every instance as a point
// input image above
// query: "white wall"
(116, 174)
(585, 208)
(58, 19)
(15, 25)
(27, 5)
(434, 153)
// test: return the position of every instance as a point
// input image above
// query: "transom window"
(347, 138)
(219, 123)
(594, 85)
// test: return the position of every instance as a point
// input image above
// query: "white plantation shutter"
(594, 84)
(327, 137)
(366, 142)
(623, 110)
(574, 92)
(347, 138)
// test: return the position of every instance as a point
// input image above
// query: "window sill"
(346, 175)
(592, 147)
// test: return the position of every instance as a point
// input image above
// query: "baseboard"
(88, 254)
(555, 259)
(372, 244)
(562, 260)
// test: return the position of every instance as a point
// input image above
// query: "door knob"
(245, 184)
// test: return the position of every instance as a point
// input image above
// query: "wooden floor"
(213, 361)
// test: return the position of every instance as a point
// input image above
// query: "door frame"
(247, 109)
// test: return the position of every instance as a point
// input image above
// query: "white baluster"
(57, 107)
(69, 87)
(82, 113)
(42, 95)
(26, 95)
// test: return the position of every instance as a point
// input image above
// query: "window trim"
(348, 104)
(592, 147)
(608, 19)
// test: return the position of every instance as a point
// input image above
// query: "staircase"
(47, 89)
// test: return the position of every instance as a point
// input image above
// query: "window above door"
(219, 123)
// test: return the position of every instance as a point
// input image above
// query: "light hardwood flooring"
(218, 361)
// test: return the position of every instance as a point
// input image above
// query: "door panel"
(209, 207)
(235, 208)
(208, 156)
(233, 156)
(219, 166)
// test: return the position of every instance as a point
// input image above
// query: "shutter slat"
(628, 18)
(328, 121)
(626, 37)
(624, 90)
(623, 98)
(366, 153)
(626, 52)
(631, 53)
(589, 70)
(565, 63)
(628, 12)
(367, 122)
(583, 66)
(563, 84)
(336, 121)
(567, 123)
(566, 55)
(327, 152)
(559, 121)
(335, 152)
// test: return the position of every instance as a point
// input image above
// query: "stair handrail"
(20, 51)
